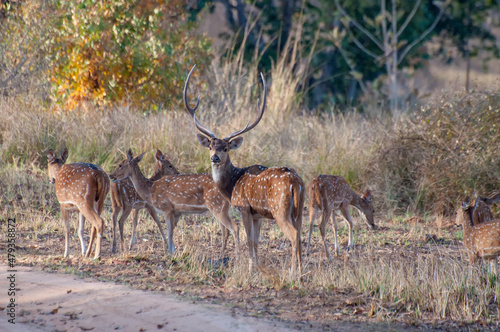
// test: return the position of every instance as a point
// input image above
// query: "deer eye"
(225, 149)
(170, 166)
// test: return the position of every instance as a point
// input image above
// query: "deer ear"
(50, 155)
(64, 155)
(235, 143)
(130, 155)
(139, 157)
(159, 155)
(204, 140)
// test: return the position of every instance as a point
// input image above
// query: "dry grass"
(409, 271)
(413, 270)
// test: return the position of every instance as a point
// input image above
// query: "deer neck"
(225, 177)
(141, 184)
(157, 173)
(357, 201)
(467, 221)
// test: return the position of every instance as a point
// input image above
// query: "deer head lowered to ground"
(328, 193)
(125, 199)
(79, 187)
(179, 194)
(256, 191)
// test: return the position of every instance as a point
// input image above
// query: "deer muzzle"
(215, 159)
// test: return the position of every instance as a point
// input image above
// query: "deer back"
(266, 191)
(79, 182)
(188, 192)
(333, 190)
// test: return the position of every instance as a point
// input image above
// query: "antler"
(186, 103)
(191, 111)
(207, 131)
(247, 127)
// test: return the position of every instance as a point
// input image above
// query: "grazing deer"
(79, 187)
(482, 240)
(175, 195)
(328, 193)
(483, 212)
(125, 199)
(256, 191)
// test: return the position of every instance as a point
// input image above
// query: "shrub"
(136, 51)
(443, 152)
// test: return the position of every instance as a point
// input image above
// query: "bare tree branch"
(409, 18)
(426, 32)
(349, 63)
(359, 26)
(361, 47)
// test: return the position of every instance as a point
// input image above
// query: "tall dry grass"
(423, 163)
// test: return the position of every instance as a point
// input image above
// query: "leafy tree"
(388, 35)
(341, 68)
(262, 25)
(123, 50)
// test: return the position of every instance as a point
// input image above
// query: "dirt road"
(54, 302)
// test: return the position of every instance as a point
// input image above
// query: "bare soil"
(143, 290)
(55, 302)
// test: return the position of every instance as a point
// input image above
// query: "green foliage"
(119, 50)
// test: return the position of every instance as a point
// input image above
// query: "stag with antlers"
(256, 191)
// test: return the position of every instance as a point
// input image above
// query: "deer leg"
(91, 240)
(255, 238)
(171, 221)
(335, 231)
(97, 228)
(225, 235)
(344, 209)
(81, 223)
(135, 215)
(121, 224)
(116, 210)
(246, 218)
(226, 226)
(65, 220)
(322, 228)
(154, 215)
(293, 234)
(312, 216)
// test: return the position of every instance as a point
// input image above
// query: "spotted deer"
(125, 199)
(175, 195)
(482, 240)
(328, 193)
(79, 187)
(483, 212)
(256, 191)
